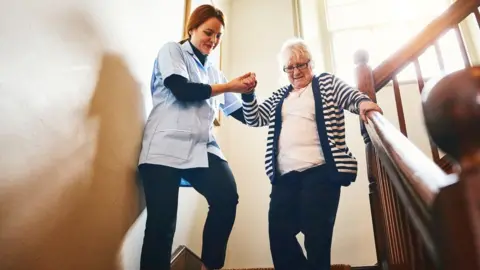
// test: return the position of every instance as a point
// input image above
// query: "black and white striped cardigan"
(331, 97)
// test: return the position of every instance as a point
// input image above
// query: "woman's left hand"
(250, 81)
(367, 106)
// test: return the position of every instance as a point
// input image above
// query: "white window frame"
(326, 37)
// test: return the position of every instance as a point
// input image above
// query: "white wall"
(256, 30)
(72, 114)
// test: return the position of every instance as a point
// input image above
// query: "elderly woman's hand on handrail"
(366, 106)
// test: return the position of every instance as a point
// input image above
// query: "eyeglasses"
(290, 69)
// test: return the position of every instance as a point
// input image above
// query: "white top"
(299, 145)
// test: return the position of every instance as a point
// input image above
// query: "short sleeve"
(170, 61)
(230, 102)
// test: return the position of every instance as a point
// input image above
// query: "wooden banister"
(414, 178)
(451, 17)
(452, 116)
(423, 177)
(371, 81)
(422, 217)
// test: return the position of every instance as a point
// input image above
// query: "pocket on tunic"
(173, 143)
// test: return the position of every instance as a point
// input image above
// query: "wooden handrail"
(419, 213)
(416, 207)
(451, 110)
(456, 13)
(416, 178)
(419, 171)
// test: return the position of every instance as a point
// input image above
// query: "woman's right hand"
(243, 84)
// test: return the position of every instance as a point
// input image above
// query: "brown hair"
(202, 14)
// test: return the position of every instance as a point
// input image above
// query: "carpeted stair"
(334, 267)
(184, 259)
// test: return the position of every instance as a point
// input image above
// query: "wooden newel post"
(364, 80)
(451, 109)
(364, 74)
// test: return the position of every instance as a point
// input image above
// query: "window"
(379, 26)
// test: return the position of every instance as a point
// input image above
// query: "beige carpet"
(334, 267)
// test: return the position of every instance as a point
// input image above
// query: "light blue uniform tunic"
(179, 134)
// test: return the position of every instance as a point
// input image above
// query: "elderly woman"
(307, 159)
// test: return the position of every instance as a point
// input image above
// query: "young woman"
(179, 148)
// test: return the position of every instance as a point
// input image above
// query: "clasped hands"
(244, 84)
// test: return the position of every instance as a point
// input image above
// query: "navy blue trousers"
(161, 184)
(304, 202)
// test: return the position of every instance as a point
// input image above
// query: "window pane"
(381, 27)
(403, 34)
(415, 9)
(367, 13)
(429, 63)
(309, 19)
(310, 22)
(352, 16)
(380, 44)
(451, 52)
(344, 45)
(388, 39)
(407, 74)
(332, 3)
(317, 54)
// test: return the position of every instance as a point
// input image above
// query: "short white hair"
(295, 47)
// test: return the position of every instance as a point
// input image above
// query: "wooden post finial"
(361, 57)
(451, 108)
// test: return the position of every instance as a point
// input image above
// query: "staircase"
(185, 259)
(425, 211)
